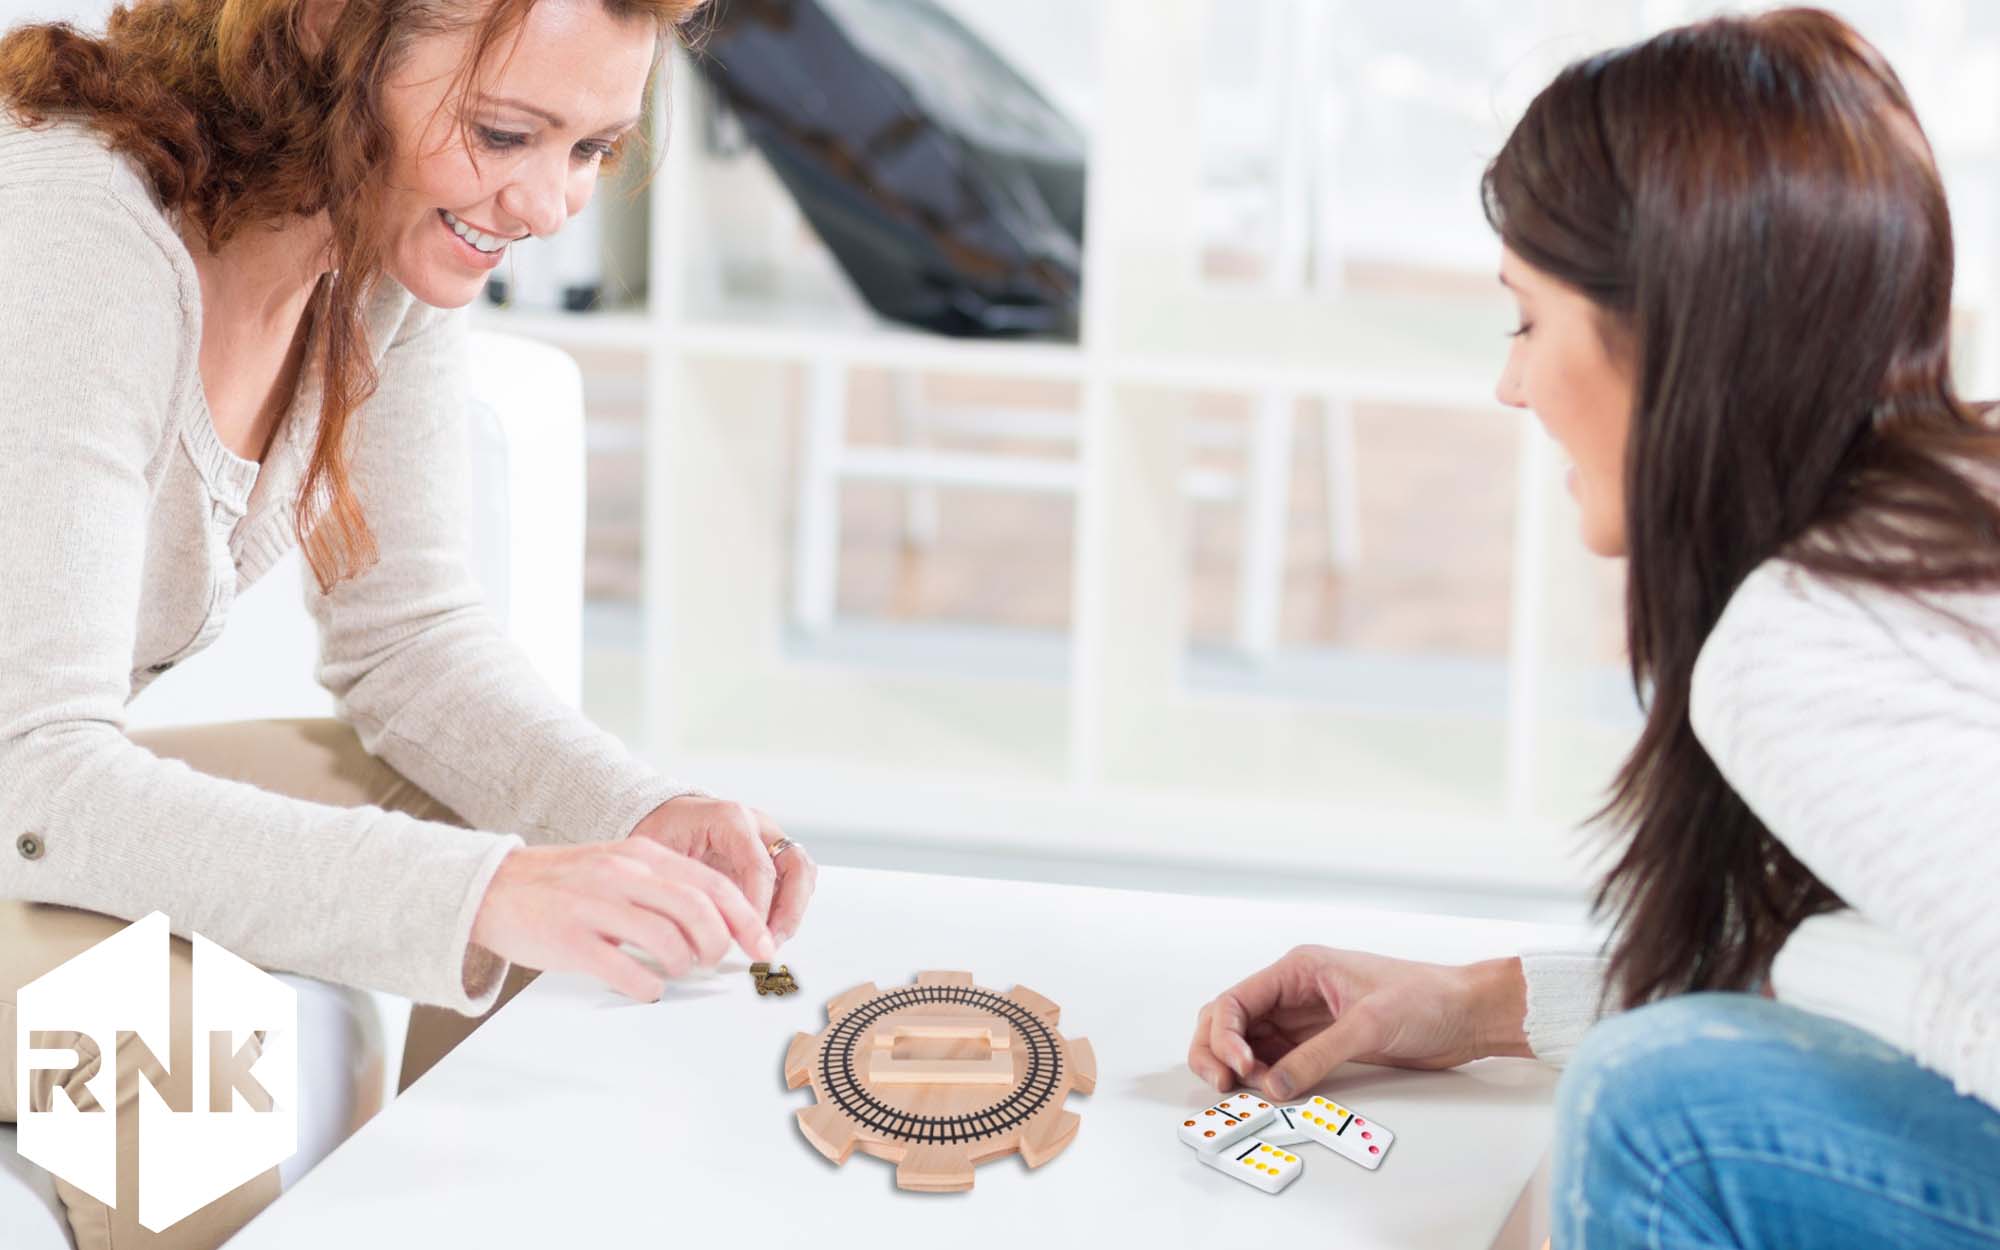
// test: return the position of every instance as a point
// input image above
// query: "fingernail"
(1281, 1085)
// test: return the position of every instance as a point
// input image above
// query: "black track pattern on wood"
(837, 1076)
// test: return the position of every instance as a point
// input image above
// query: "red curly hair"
(238, 116)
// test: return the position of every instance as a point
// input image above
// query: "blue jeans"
(1728, 1120)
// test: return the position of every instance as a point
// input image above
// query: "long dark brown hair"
(238, 117)
(1755, 212)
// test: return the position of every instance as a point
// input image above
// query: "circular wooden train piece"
(938, 1077)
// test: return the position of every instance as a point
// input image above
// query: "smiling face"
(1583, 392)
(542, 115)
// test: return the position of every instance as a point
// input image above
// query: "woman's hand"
(567, 908)
(1285, 1028)
(735, 840)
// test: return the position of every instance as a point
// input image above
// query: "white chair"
(525, 544)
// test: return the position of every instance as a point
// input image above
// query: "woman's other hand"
(568, 908)
(735, 840)
(1282, 1030)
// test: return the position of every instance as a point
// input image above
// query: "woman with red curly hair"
(236, 241)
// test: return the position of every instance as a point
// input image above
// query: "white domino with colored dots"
(1288, 1127)
(1226, 1123)
(1257, 1162)
(1345, 1133)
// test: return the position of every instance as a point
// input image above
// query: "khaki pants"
(319, 760)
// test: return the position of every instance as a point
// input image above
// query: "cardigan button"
(29, 845)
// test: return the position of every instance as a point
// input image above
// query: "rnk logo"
(196, 1142)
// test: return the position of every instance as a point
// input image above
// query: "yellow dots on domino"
(1290, 1158)
(1318, 1101)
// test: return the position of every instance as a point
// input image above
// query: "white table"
(576, 1117)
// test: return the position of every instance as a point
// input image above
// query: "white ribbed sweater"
(1864, 731)
(127, 528)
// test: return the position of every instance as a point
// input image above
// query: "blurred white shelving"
(1113, 752)
(1117, 753)
(846, 334)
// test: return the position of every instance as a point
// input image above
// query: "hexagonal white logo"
(227, 1113)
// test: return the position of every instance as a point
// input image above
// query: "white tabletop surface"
(577, 1117)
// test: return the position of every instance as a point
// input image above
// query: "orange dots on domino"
(1187, 1123)
(1209, 1133)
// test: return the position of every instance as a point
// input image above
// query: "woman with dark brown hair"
(1733, 262)
(236, 241)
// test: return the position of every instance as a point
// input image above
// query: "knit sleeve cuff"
(473, 983)
(1565, 989)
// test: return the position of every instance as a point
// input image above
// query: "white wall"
(83, 12)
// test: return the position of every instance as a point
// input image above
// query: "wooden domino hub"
(938, 1077)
